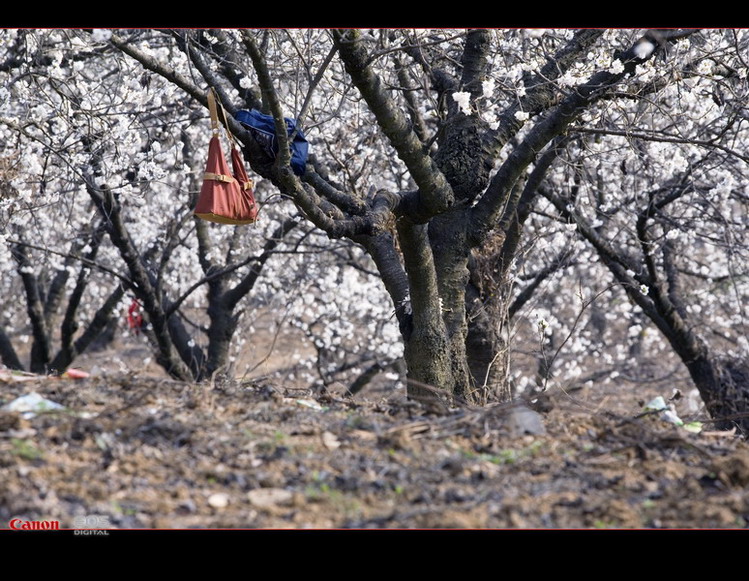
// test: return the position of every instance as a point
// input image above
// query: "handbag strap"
(213, 105)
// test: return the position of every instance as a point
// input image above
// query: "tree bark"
(40, 347)
(8, 354)
(426, 348)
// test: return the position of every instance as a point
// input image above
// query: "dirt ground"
(147, 452)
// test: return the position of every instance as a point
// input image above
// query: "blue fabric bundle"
(263, 129)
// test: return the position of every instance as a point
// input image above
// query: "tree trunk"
(487, 352)
(220, 333)
(8, 354)
(450, 250)
(724, 388)
(426, 349)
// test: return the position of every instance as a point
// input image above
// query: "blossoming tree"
(472, 168)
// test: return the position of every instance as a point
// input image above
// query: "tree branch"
(163, 70)
(108, 207)
(69, 325)
(435, 192)
(234, 295)
(541, 93)
(663, 138)
(544, 131)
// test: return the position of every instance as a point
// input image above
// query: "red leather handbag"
(227, 196)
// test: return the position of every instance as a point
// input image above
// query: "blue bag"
(263, 129)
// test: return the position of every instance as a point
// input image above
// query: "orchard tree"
(473, 168)
(435, 145)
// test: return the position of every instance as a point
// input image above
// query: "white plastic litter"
(668, 413)
(656, 404)
(31, 404)
(672, 418)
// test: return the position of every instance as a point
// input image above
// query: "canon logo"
(18, 524)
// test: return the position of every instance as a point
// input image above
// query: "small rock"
(330, 441)
(523, 420)
(186, 507)
(267, 497)
(218, 500)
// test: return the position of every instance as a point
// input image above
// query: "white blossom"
(491, 118)
(463, 99)
(101, 35)
(488, 87)
(616, 67)
(534, 32)
(705, 67)
(644, 49)
(568, 79)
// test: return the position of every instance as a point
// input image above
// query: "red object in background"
(134, 317)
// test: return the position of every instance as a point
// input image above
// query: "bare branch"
(435, 192)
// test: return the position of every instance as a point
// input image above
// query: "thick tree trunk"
(220, 333)
(450, 250)
(486, 350)
(426, 348)
(724, 388)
